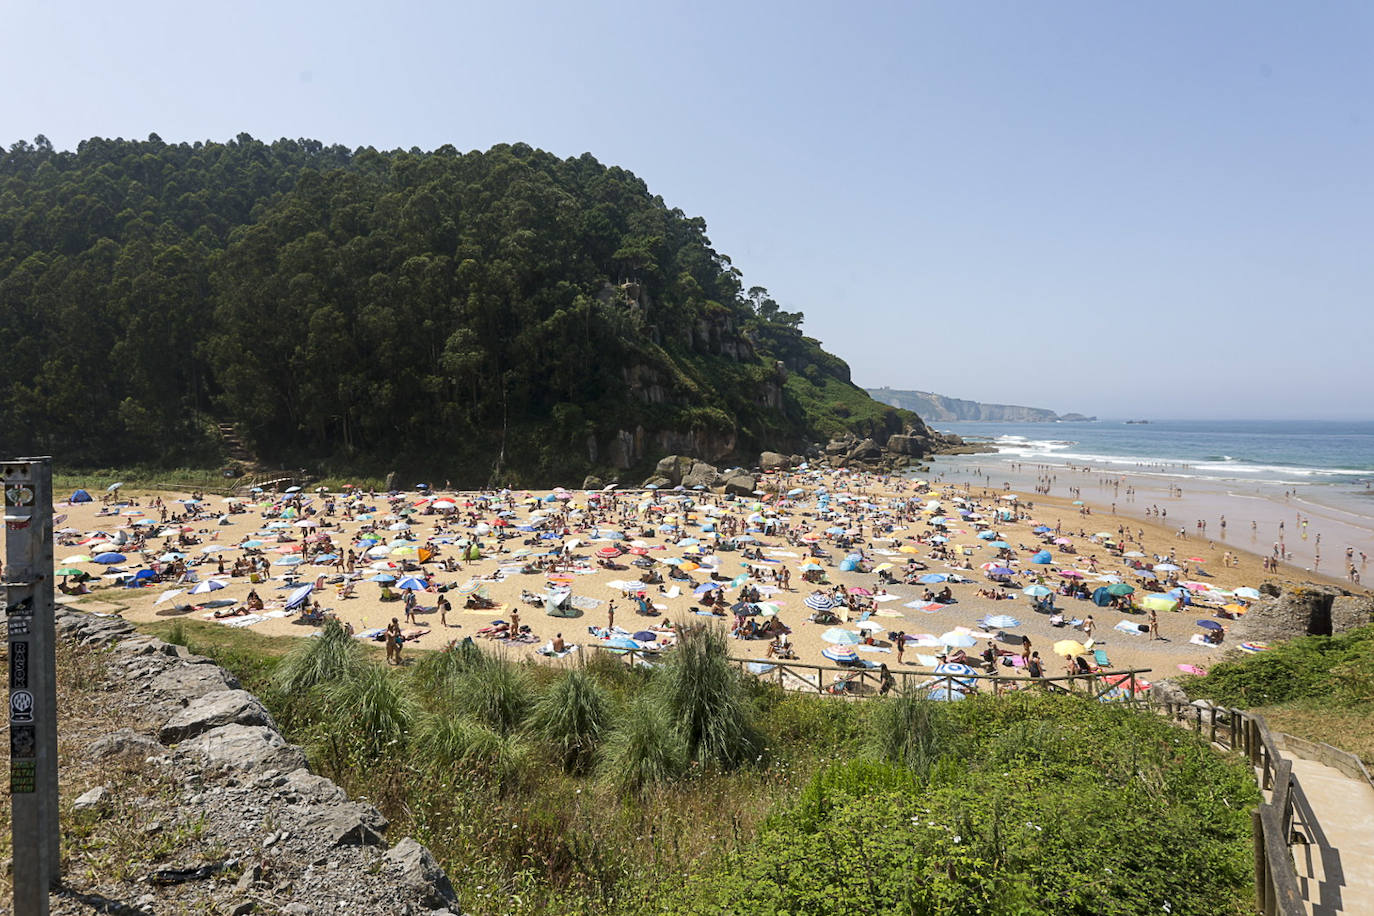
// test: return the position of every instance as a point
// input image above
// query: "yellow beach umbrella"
(1069, 647)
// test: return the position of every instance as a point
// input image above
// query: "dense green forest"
(502, 313)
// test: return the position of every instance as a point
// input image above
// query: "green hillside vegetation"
(692, 789)
(503, 313)
(1317, 687)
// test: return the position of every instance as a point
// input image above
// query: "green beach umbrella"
(68, 571)
(1120, 589)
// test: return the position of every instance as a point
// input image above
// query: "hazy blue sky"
(1155, 209)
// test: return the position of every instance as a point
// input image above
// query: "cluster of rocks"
(294, 839)
(894, 453)
(1309, 609)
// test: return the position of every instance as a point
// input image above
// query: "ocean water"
(1280, 482)
(1275, 452)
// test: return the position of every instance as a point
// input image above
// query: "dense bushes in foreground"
(607, 790)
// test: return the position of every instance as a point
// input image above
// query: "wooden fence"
(1276, 877)
(1277, 891)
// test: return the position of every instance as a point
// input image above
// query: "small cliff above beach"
(933, 406)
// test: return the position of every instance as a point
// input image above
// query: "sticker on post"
(23, 777)
(19, 665)
(19, 626)
(18, 495)
(21, 706)
(23, 742)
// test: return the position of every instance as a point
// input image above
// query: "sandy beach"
(514, 548)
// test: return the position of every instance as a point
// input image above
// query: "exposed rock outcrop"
(1287, 612)
(302, 844)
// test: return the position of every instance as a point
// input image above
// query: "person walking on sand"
(393, 642)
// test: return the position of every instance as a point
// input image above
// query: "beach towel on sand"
(547, 650)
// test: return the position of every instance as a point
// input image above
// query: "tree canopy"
(503, 311)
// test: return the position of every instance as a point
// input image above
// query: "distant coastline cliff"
(933, 406)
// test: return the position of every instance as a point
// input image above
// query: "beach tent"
(556, 604)
(1102, 597)
(473, 552)
(80, 496)
(1041, 558)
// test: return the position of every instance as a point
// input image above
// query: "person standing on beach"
(1154, 624)
(901, 645)
(610, 616)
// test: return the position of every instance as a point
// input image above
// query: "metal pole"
(33, 681)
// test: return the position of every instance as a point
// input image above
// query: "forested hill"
(440, 312)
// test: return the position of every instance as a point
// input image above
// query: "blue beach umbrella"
(840, 637)
(1036, 591)
(999, 545)
(298, 597)
(932, 578)
(413, 584)
(1001, 621)
(382, 577)
(109, 559)
(842, 654)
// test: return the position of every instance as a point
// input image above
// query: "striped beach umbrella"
(841, 654)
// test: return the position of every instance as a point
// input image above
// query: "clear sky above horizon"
(1161, 210)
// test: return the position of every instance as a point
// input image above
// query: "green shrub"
(703, 696)
(571, 719)
(910, 731)
(643, 749)
(496, 693)
(367, 712)
(327, 658)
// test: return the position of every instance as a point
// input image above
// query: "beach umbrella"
(1247, 592)
(288, 561)
(1210, 625)
(1001, 571)
(1042, 558)
(819, 601)
(612, 552)
(1166, 567)
(114, 486)
(841, 654)
(956, 640)
(1036, 591)
(1145, 574)
(869, 626)
(944, 692)
(987, 535)
(67, 571)
(1001, 621)
(209, 585)
(77, 558)
(413, 584)
(932, 578)
(622, 642)
(1000, 545)
(298, 597)
(169, 595)
(955, 669)
(1120, 589)
(1070, 574)
(382, 577)
(840, 636)
(1069, 647)
(109, 559)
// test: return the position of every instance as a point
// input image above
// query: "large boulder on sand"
(674, 468)
(1302, 610)
(772, 461)
(865, 450)
(911, 446)
(739, 483)
(701, 475)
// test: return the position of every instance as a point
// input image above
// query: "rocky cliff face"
(938, 407)
(1302, 610)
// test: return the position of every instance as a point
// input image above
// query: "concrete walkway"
(1336, 866)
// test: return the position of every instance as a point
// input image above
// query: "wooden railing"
(1277, 890)
(849, 681)
(1276, 876)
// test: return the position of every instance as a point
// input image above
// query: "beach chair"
(1102, 660)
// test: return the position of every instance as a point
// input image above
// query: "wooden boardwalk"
(1336, 864)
